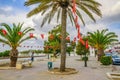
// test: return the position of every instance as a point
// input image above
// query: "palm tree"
(101, 39)
(63, 9)
(14, 36)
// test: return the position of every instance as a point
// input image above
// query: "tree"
(63, 9)
(69, 49)
(73, 44)
(82, 50)
(54, 40)
(101, 39)
(14, 36)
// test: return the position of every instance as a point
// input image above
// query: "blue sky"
(13, 3)
(14, 11)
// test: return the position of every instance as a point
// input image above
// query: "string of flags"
(67, 38)
(25, 46)
(20, 33)
(78, 26)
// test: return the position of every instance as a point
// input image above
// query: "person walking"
(32, 56)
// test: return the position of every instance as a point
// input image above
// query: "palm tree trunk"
(100, 53)
(63, 41)
(13, 57)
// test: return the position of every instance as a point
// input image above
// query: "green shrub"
(85, 58)
(5, 53)
(1, 54)
(106, 60)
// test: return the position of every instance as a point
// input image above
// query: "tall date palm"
(101, 39)
(14, 36)
(63, 9)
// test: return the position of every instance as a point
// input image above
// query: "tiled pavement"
(94, 71)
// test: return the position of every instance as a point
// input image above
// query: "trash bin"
(50, 65)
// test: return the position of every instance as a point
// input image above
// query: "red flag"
(4, 32)
(74, 6)
(42, 36)
(81, 40)
(51, 36)
(19, 33)
(77, 26)
(78, 30)
(76, 19)
(74, 39)
(78, 36)
(31, 35)
(67, 38)
(86, 44)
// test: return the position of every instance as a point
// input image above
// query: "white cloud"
(116, 8)
(109, 8)
(20, 17)
(6, 8)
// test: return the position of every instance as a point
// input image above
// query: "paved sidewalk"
(94, 71)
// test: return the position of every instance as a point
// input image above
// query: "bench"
(22, 65)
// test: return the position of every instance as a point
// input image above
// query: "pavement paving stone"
(94, 71)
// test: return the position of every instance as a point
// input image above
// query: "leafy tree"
(4, 53)
(54, 40)
(82, 50)
(73, 44)
(79, 49)
(14, 36)
(63, 9)
(101, 39)
(69, 49)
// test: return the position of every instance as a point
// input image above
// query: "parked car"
(108, 54)
(111, 53)
(114, 56)
(115, 59)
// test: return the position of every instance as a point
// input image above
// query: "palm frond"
(93, 8)
(86, 11)
(25, 39)
(4, 41)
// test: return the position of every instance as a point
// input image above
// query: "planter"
(67, 71)
(19, 66)
(113, 76)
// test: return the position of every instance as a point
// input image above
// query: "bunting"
(76, 19)
(4, 32)
(19, 33)
(78, 26)
(74, 7)
(42, 36)
(31, 35)
(82, 41)
(86, 44)
(68, 38)
(74, 39)
(51, 36)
